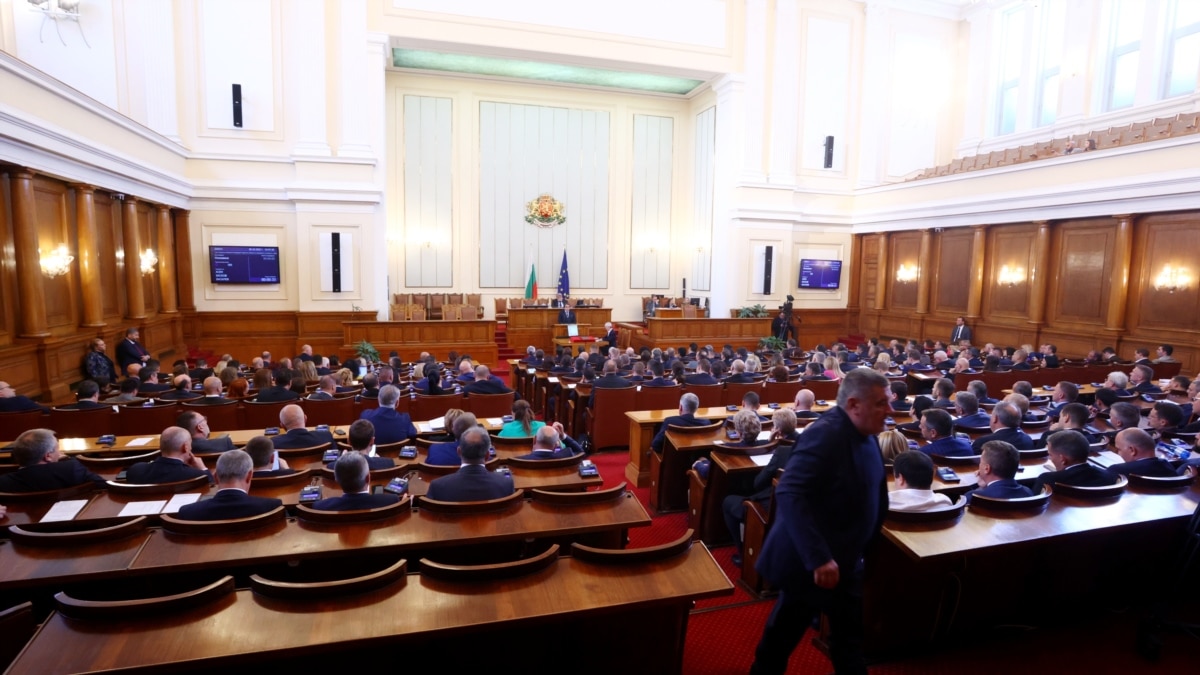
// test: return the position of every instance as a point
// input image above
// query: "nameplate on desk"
(143, 508)
(64, 510)
(184, 499)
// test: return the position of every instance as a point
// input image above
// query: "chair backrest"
(942, 514)
(780, 392)
(823, 390)
(750, 450)
(149, 489)
(335, 412)
(735, 391)
(490, 405)
(298, 477)
(610, 428)
(82, 423)
(500, 306)
(482, 506)
(115, 610)
(257, 415)
(1034, 503)
(492, 572)
(703, 429)
(633, 556)
(429, 407)
(417, 314)
(227, 417)
(658, 398)
(709, 394)
(1102, 492)
(311, 451)
(99, 461)
(573, 498)
(556, 463)
(966, 460)
(137, 420)
(47, 495)
(317, 590)
(13, 424)
(1162, 482)
(307, 513)
(222, 527)
(81, 537)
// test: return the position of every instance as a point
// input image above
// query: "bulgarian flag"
(531, 286)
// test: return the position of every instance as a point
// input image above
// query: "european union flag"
(564, 278)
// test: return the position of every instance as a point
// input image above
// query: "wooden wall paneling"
(976, 269)
(1082, 257)
(168, 290)
(8, 272)
(409, 338)
(928, 271)
(822, 326)
(868, 270)
(323, 330)
(50, 209)
(31, 296)
(183, 262)
(853, 303)
(22, 370)
(905, 249)
(953, 272)
(108, 237)
(246, 334)
(148, 239)
(135, 295)
(1038, 273)
(1008, 246)
(1121, 259)
(1161, 241)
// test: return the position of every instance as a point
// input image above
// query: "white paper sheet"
(143, 440)
(180, 500)
(424, 427)
(64, 510)
(143, 508)
(552, 380)
(764, 436)
(495, 421)
(761, 460)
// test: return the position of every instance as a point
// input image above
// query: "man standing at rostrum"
(830, 503)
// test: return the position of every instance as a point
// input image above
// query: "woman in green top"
(522, 424)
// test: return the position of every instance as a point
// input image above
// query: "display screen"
(244, 264)
(820, 273)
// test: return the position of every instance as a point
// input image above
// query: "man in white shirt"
(914, 476)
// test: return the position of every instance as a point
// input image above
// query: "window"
(1182, 57)
(1012, 52)
(1124, 53)
(1053, 34)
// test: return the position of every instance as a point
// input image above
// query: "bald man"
(296, 434)
(174, 463)
(1136, 447)
(485, 384)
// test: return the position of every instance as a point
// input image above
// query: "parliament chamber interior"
(639, 255)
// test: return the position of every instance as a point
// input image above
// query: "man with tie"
(130, 350)
(566, 314)
(962, 332)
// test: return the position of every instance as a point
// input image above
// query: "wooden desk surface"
(23, 566)
(244, 627)
(646, 417)
(977, 530)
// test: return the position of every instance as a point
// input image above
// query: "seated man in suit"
(1141, 380)
(36, 452)
(281, 390)
(174, 463)
(211, 393)
(1141, 355)
(486, 383)
(1136, 447)
(370, 388)
(201, 371)
(937, 428)
(979, 388)
(1069, 455)
(703, 374)
(235, 470)
(296, 434)
(391, 425)
(1118, 382)
(1020, 360)
(998, 463)
(1064, 392)
(129, 393)
(1123, 415)
(150, 385)
(610, 334)
(802, 405)
(1006, 426)
(966, 406)
(656, 369)
(10, 401)
(914, 476)
(196, 425)
(267, 462)
(688, 404)
(734, 506)
(87, 397)
(1049, 355)
(326, 388)
(472, 482)
(1163, 354)
(551, 442)
(899, 398)
(738, 373)
(1073, 416)
(609, 380)
(353, 475)
(446, 453)
(943, 393)
(362, 440)
(1164, 419)
(181, 390)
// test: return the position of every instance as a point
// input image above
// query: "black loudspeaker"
(237, 105)
(335, 243)
(685, 287)
(767, 270)
(829, 152)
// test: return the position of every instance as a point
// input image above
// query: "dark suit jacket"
(209, 445)
(740, 378)
(700, 378)
(320, 396)
(779, 458)
(390, 426)
(950, 446)
(147, 388)
(356, 502)
(178, 395)
(489, 387)
(658, 382)
(200, 374)
(688, 420)
(471, 483)
(611, 338)
(82, 405)
(163, 470)
(127, 353)
(962, 332)
(567, 316)
(1002, 489)
(302, 438)
(1019, 439)
(373, 463)
(1149, 466)
(275, 394)
(212, 400)
(829, 505)
(228, 504)
(270, 473)
(979, 419)
(19, 404)
(444, 454)
(40, 477)
(1081, 475)
(607, 382)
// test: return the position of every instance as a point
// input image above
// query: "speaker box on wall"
(237, 105)
(767, 260)
(829, 152)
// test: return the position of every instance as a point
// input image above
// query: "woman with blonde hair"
(833, 369)
(308, 371)
(891, 444)
(753, 364)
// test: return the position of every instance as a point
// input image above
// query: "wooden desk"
(668, 312)
(563, 605)
(535, 326)
(663, 333)
(410, 338)
(728, 474)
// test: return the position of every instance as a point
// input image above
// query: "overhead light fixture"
(57, 262)
(59, 10)
(906, 274)
(149, 261)
(1011, 276)
(1172, 279)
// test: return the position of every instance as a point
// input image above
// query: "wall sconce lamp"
(57, 262)
(1172, 279)
(906, 274)
(1011, 276)
(149, 261)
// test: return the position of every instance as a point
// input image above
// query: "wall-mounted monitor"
(244, 264)
(820, 273)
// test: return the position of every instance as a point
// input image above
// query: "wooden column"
(88, 256)
(166, 260)
(975, 285)
(135, 295)
(29, 263)
(925, 269)
(183, 262)
(1122, 256)
(1039, 274)
(881, 279)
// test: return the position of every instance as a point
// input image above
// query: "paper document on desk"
(437, 423)
(180, 500)
(65, 510)
(424, 427)
(495, 422)
(761, 460)
(143, 508)
(764, 436)
(139, 441)
(552, 380)
(1106, 458)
